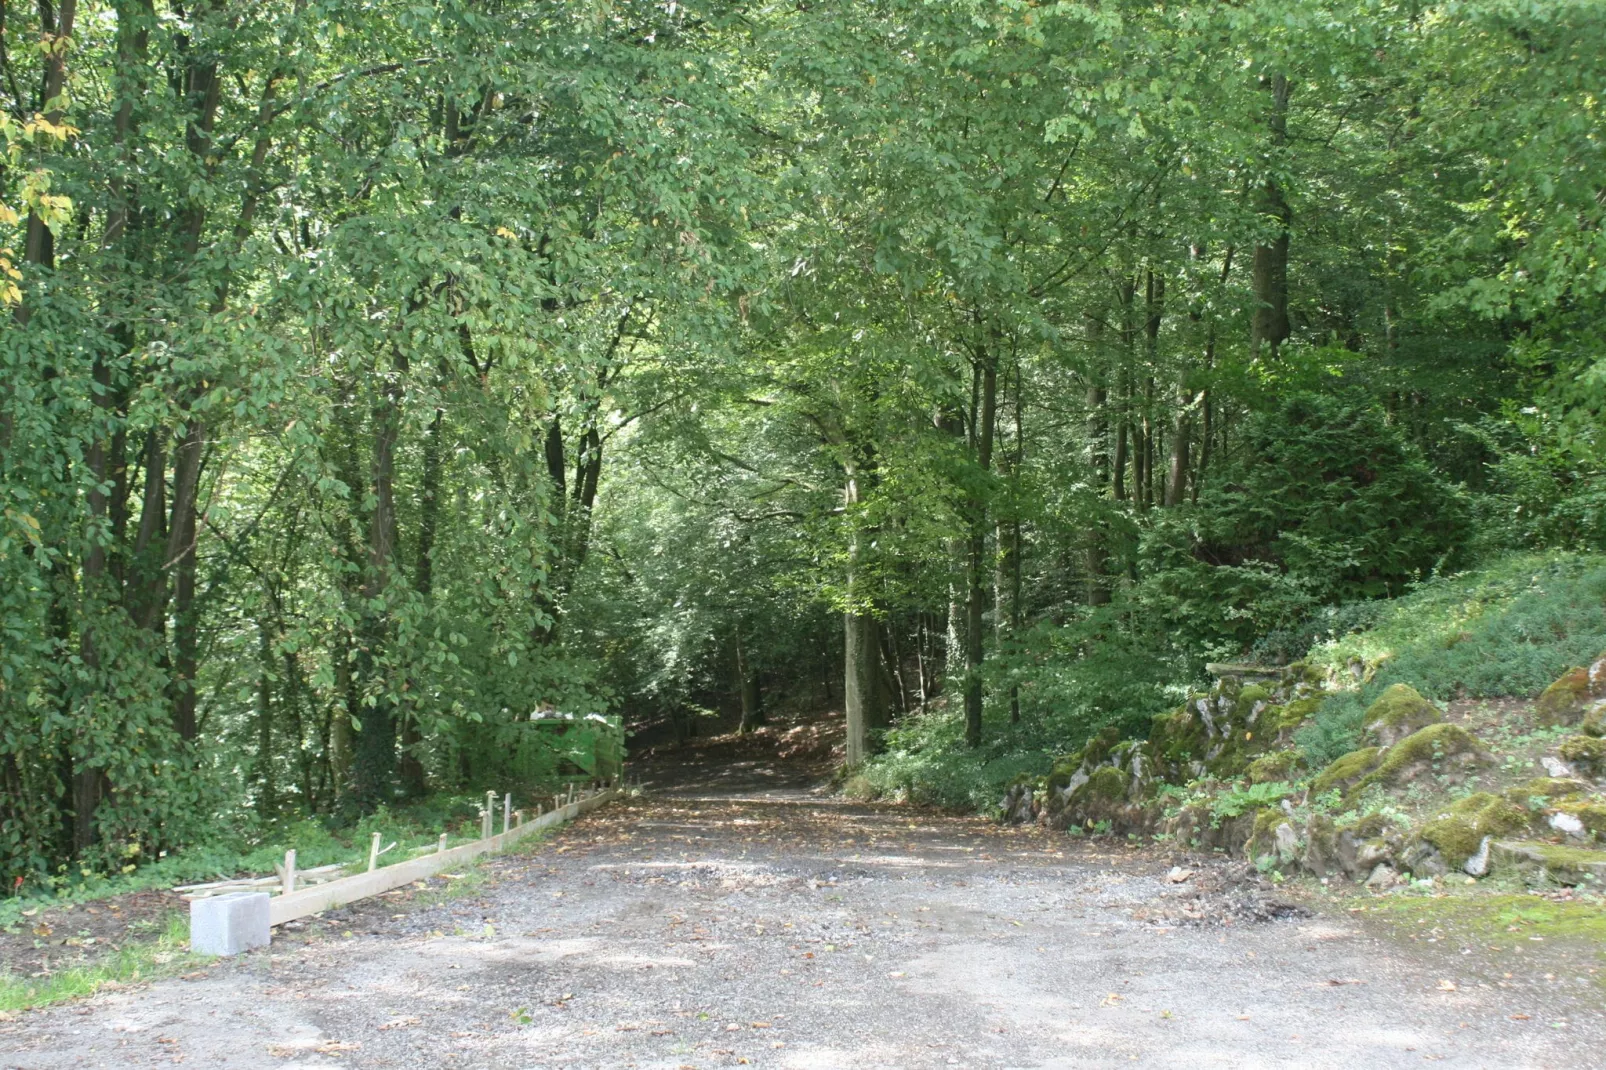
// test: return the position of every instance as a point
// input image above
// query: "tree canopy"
(375, 376)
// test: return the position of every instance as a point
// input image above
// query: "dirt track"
(749, 921)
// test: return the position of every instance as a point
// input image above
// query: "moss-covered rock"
(1271, 836)
(1107, 783)
(1398, 712)
(1321, 846)
(1586, 754)
(1347, 770)
(1458, 831)
(1367, 843)
(1538, 792)
(1294, 715)
(1591, 814)
(1565, 865)
(1566, 701)
(1594, 722)
(1275, 765)
(1436, 749)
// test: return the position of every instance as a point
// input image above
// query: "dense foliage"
(375, 376)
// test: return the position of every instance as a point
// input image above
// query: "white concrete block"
(229, 924)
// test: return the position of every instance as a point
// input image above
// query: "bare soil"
(49, 940)
(735, 915)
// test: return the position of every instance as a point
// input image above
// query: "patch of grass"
(1503, 915)
(140, 961)
(317, 842)
(1508, 629)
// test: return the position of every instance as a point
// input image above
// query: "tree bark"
(748, 690)
(975, 605)
(1269, 326)
(374, 767)
(863, 703)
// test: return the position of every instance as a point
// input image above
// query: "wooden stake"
(289, 883)
(373, 854)
(507, 812)
(441, 847)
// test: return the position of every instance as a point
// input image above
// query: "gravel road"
(750, 921)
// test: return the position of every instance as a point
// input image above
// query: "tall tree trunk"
(1269, 326)
(975, 605)
(864, 704)
(409, 766)
(374, 767)
(1014, 546)
(1098, 438)
(267, 794)
(747, 687)
(180, 559)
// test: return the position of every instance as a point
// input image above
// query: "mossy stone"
(1587, 754)
(1458, 832)
(1591, 813)
(1569, 865)
(1346, 770)
(1253, 693)
(1106, 784)
(1399, 712)
(1433, 748)
(1563, 702)
(1262, 840)
(1321, 846)
(1594, 722)
(1297, 712)
(1546, 788)
(1277, 765)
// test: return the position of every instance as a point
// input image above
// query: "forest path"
(735, 918)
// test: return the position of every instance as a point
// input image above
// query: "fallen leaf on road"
(1447, 986)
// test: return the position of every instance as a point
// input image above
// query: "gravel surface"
(744, 920)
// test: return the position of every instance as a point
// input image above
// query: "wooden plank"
(311, 900)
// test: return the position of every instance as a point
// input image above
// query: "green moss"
(1503, 918)
(1459, 832)
(1544, 787)
(1106, 784)
(1278, 765)
(1368, 826)
(1567, 859)
(1429, 746)
(1586, 754)
(1591, 813)
(1263, 833)
(1399, 712)
(1563, 701)
(1594, 722)
(1177, 736)
(1096, 750)
(1251, 694)
(1346, 770)
(1298, 712)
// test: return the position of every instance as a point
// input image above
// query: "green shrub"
(1508, 629)
(1326, 503)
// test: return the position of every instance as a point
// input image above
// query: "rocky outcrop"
(1232, 751)
(1221, 734)
(1579, 695)
(1398, 713)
